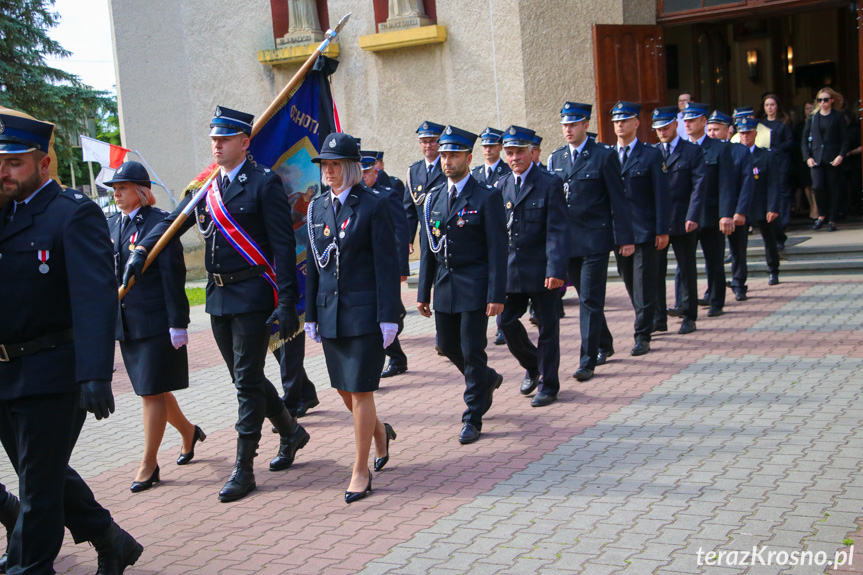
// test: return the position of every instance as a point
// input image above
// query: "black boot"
(117, 550)
(9, 511)
(293, 438)
(242, 481)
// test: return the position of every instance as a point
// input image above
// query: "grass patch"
(196, 296)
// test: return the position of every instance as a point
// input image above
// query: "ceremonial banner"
(286, 144)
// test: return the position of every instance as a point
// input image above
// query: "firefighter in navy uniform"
(538, 227)
(384, 179)
(58, 301)
(494, 168)
(536, 152)
(464, 259)
(598, 221)
(398, 362)
(423, 176)
(240, 297)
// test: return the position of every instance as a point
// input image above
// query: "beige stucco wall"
(504, 62)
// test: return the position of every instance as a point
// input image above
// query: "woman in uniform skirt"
(352, 295)
(152, 322)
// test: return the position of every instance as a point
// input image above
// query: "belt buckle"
(217, 279)
(4, 355)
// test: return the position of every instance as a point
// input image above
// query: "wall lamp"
(752, 64)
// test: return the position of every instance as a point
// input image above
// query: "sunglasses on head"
(823, 99)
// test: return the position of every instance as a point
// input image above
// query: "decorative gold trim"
(435, 34)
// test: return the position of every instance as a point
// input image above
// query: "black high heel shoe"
(186, 458)
(138, 486)
(351, 496)
(380, 462)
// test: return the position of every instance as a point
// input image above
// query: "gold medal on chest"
(436, 232)
(509, 205)
(420, 188)
(327, 231)
(460, 223)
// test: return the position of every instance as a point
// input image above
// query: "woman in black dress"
(825, 145)
(152, 322)
(353, 295)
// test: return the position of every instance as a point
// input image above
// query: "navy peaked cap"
(430, 130)
(694, 110)
(21, 135)
(664, 116)
(457, 140)
(573, 112)
(518, 137)
(339, 146)
(228, 122)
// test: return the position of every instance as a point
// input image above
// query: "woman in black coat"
(353, 295)
(825, 145)
(774, 117)
(152, 322)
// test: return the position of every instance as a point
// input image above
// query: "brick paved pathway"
(746, 433)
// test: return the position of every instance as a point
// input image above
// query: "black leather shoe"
(704, 302)
(688, 326)
(305, 406)
(116, 550)
(740, 296)
(542, 399)
(439, 351)
(831, 227)
(380, 462)
(533, 319)
(640, 348)
(583, 374)
(469, 433)
(780, 246)
(715, 312)
(499, 339)
(659, 327)
(774, 279)
(186, 458)
(818, 224)
(393, 370)
(603, 356)
(351, 496)
(288, 447)
(674, 312)
(529, 383)
(495, 385)
(138, 486)
(242, 481)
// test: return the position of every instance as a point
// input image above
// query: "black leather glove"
(134, 266)
(96, 397)
(286, 314)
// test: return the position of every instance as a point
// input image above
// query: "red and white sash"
(238, 237)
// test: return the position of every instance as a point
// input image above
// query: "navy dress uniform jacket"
(469, 271)
(720, 200)
(78, 292)
(257, 202)
(598, 212)
(419, 183)
(766, 166)
(684, 170)
(646, 190)
(158, 301)
(352, 297)
(499, 173)
(400, 224)
(743, 178)
(539, 231)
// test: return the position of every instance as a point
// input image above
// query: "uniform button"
(32, 243)
(122, 305)
(218, 266)
(335, 293)
(1, 256)
(217, 247)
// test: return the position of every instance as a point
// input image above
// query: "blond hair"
(838, 100)
(146, 195)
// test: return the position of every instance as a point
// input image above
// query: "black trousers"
(394, 351)
(639, 275)
(685, 280)
(713, 247)
(739, 269)
(589, 275)
(462, 339)
(243, 340)
(543, 358)
(827, 183)
(39, 433)
(296, 384)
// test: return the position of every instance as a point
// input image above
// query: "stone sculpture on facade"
(405, 14)
(304, 27)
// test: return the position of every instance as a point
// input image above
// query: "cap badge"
(333, 143)
(512, 132)
(448, 131)
(120, 170)
(687, 105)
(425, 125)
(566, 106)
(218, 112)
(78, 196)
(2, 127)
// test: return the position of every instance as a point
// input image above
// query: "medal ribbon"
(133, 238)
(345, 224)
(42, 255)
(237, 236)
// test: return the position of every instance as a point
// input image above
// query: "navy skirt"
(355, 363)
(154, 366)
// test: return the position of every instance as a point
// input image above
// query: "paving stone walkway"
(745, 434)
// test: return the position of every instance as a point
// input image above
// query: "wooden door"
(629, 64)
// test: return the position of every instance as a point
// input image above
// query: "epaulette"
(74, 195)
(417, 162)
(262, 169)
(159, 210)
(607, 147)
(563, 147)
(394, 178)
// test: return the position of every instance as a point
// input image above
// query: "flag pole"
(261, 121)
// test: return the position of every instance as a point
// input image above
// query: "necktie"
(624, 155)
(666, 149)
(124, 224)
(225, 182)
(453, 194)
(429, 169)
(488, 174)
(337, 204)
(574, 157)
(517, 184)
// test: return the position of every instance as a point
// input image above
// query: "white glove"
(311, 329)
(179, 337)
(389, 331)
